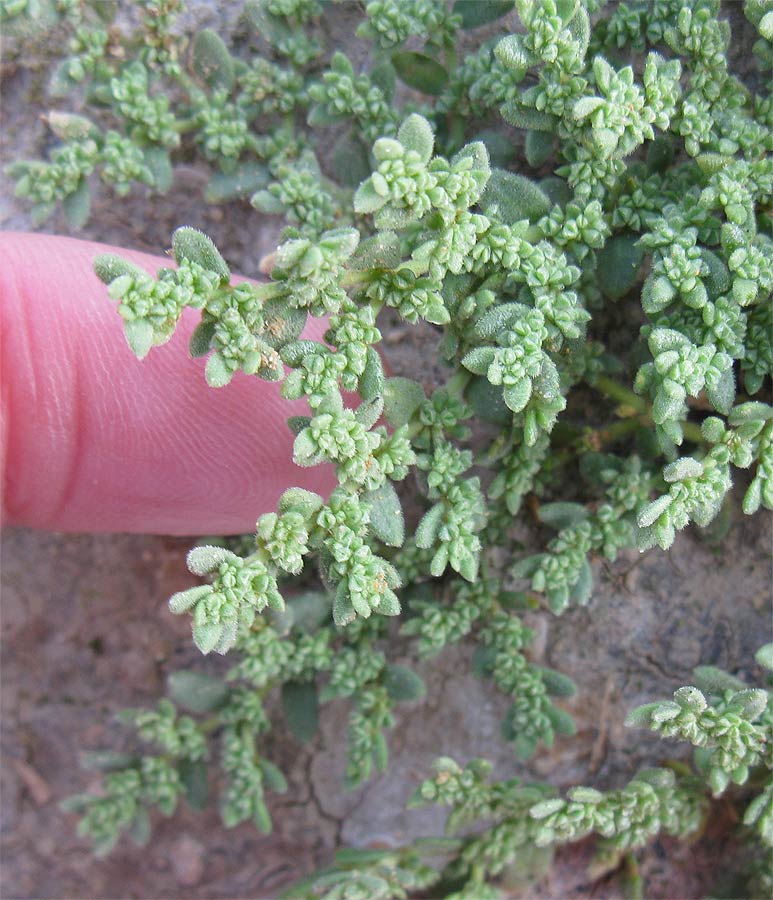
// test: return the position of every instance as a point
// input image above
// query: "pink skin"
(94, 440)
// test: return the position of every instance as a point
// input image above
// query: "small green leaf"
(402, 397)
(585, 795)
(106, 760)
(721, 393)
(420, 71)
(206, 558)
(765, 26)
(579, 28)
(139, 336)
(517, 395)
(682, 470)
(240, 184)
(217, 372)
(77, 206)
(266, 202)
(158, 161)
(511, 52)
(388, 605)
(488, 403)
(274, 777)
(212, 62)
(514, 197)
(714, 273)
(416, 134)
(343, 611)
(750, 702)
(369, 412)
(764, 656)
(193, 775)
(527, 117)
(197, 692)
(561, 721)
(300, 705)
(382, 251)
(40, 212)
(475, 13)
(556, 683)
(381, 758)
(262, 818)
(653, 511)
(350, 161)
(756, 808)
(583, 588)
(403, 683)
(354, 856)
(367, 199)
(193, 245)
(566, 9)
(62, 84)
(201, 337)
(296, 424)
(479, 360)
(641, 717)
(183, 601)
(283, 323)
(538, 147)
(497, 319)
(372, 380)
(300, 500)
(427, 530)
(207, 637)
(139, 830)
(386, 515)
(619, 262)
(546, 808)
(305, 451)
(586, 106)
(562, 514)
(108, 267)
(309, 610)
(68, 126)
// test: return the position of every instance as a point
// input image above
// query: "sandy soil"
(85, 632)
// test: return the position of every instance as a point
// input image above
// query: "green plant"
(728, 723)
(658, 202)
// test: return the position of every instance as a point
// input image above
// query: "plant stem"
(622, 394)
(641, 408)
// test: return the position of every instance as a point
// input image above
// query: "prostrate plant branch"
(656, 214)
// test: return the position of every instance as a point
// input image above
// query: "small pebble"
(187, 858)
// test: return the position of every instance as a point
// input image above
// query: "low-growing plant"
(642, 194)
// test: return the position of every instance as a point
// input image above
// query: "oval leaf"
(514, 197)
(212, 62)
(475, 13)
(386, 515)
(193, 245)
(403, 683)
(197, 692)
(420, 71)
(300, 705)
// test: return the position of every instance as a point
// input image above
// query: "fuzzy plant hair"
(580, 164)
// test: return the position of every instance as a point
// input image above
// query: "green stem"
(457, 383)
(692, 431)
(354, 277)
(641, 408)
(622, 394)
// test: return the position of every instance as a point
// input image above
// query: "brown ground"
(85, 632)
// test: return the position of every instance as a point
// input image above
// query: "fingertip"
(97, 441)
